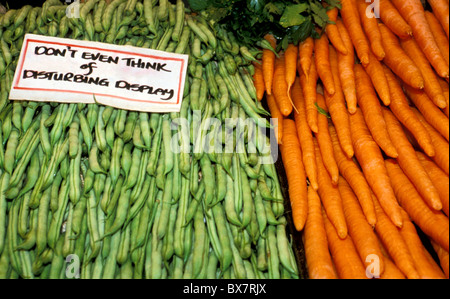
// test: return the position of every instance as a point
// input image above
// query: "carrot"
(332, 31)
(443, 257)
(337, 108)
(309, 87)
(325, 144)
(410, 164)
(360, 230)
(291, 57)
(276, 114)
(433, 223)
(305, 52)
(370, 26)
(434, 262)
(295, 173)
(346, 259)
(268, 62)
(355, 178)
(322, 61)
(425, 269)
(318, 258)
(439, 34)
(439, 178)
(379, 81)
(371, 109)
(346, 69)
(391, 271)
(441, 11)
(432, 86)
(394, 243)
(414, 13)
(350, 17)
(446, 92)
(371, 161)
(402, 110)
(330, 196)
(441, 158)
(258, 81)
(398, 61)
(305, 135)
(393, 19)
(429, 110)
(280, 87)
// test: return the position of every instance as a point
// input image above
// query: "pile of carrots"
(363, 128)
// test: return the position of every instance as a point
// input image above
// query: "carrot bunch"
(363, 110)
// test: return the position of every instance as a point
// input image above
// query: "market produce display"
(103, 187)
(364, 118)
(354, 94)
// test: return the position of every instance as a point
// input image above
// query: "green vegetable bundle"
(96, 192)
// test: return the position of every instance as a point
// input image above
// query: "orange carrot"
(268, 63)
(330, 196)
(337, 108)
(291, 56)
(333, 32)
(361, 232)
(441, 11)
(443, 257)
(379, 81)
(371, 108)
(258, 81)
(346, 259)
(371, 160)
(410, 164)
(276, 114)
(309, 87)
(350, 17)
(346, 69)
(295, 173)
(393, 20)
(441, 145)
(433, 223)
(425, 269)
(432, 86)
(439, 178)
(305, 135)
(429, 110)
(280, 87)
(414, 13)
(317, 254)
(322, 61)
(439, 35)
(305, 51)
(394, 243)
(355, 178)
(370, 26)
(391, 271)
(434, 263)
(398, 61)
(402, 110)
(446, 92)
(325, 144)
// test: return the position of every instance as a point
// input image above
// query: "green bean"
(238, 264)
(86, 9)
(20, 167)
(149, 16)
(10, 152)
(109, 269)
(261, 258)
(179, 20)
(131, 175)
(184, 40)
(100, 133)
(165, 39)
(98, 13)
(57, 129)
(110, 135)
(32, 174)
(78, 216)
(94, 164)
(145, 129)
(69, 243)
(199, 236)
(272, 253)
(99, 185)
(123, 205)
(86, 130)
(29, 238)
(88, 181)
(57, 219)
(4, 182)
(195, 27)
(107, 16)
(166, 204)
(155, 150)
(168, 242)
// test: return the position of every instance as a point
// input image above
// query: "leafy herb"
(291, 21)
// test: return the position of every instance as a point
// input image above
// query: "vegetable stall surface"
(381, 117)
(105, 186)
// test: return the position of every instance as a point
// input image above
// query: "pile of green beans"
(94, 192)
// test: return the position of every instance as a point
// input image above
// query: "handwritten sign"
(71, 71)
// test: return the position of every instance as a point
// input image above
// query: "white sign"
(71, 71)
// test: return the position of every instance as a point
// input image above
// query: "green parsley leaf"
(292, 15)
